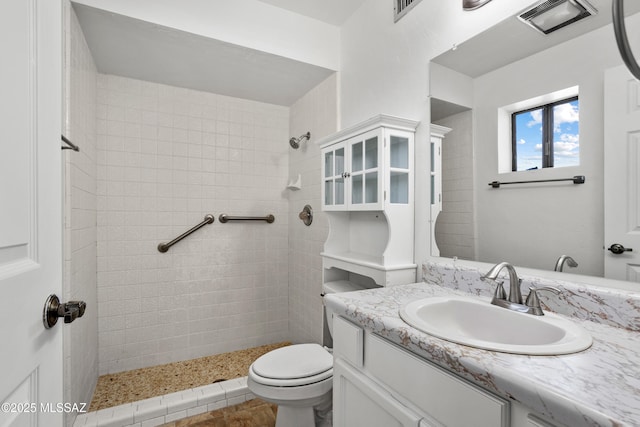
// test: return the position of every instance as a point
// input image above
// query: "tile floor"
(253, 413)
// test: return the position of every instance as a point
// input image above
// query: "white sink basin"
(478, 323)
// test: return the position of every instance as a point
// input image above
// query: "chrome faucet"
(565, 258)
(514, 301)
(515, 295)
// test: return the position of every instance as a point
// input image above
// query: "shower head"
(295, 142)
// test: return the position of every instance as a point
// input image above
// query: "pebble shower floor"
(168, 393)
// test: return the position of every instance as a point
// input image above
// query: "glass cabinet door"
(399, 169)
(364, 172)
(368, 171)
(357, 166)
(334, 176)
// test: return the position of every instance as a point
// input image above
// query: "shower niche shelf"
(295, 183)
(367, 194)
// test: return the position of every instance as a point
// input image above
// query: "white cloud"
(538, 147)
(568, 146)
(565, 113)
(536, 118)
(522, 142)
(570, 137)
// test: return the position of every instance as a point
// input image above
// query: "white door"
(30, 211)
(359, 402)
(621, 175)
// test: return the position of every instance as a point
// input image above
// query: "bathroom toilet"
(299, 379)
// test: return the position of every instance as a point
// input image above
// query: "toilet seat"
(292, 366)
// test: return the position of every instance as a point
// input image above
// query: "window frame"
(547, 132)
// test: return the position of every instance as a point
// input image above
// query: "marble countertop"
(597, 387)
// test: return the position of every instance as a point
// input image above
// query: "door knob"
(53, 309)
(618, 249)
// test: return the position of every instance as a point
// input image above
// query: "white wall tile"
(80, 189)
(172, 155)
(304, 244)
(455, 229)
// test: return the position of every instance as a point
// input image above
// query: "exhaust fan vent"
(548, 16)
(402, 7)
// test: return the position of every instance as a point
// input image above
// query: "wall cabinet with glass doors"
(367, 171)
(367, 192)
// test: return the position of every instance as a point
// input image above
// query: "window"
(546, 136)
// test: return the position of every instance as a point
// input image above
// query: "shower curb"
(159, 410)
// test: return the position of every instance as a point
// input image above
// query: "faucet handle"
(533, 300)
(499, 292)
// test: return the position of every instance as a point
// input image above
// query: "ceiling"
(512, 40)
(334, 12)
(133, 48)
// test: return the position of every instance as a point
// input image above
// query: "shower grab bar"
(71, 145)
(226, 218)
(164, 247)
(578, 179)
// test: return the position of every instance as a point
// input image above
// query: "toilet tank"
(331, 288)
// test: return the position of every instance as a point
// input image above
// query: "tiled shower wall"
(80, 202)
(455, 232)
(168, 156)
(316, 112)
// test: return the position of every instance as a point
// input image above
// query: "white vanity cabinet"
(521, 416)
(382, 385)
(360, 402)
(367, 193)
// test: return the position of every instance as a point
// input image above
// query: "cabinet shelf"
(365, 260)
(343, 286)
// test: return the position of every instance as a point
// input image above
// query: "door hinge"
(385, 195)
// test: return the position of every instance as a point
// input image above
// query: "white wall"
(168, 156)
(534, 225)
(315, 112)
(80, 202)
(385, 69)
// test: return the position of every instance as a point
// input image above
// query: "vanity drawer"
(450, 400)
(348, 341)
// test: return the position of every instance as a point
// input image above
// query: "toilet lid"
(294, 361)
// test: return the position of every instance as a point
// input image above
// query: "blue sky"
(566, 137)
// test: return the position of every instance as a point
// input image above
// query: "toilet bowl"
(298, 378)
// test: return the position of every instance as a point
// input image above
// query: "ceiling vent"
(402, 7)
(551, 15)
